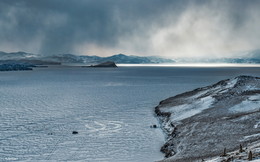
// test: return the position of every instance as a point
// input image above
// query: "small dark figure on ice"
(75, 132)
(153, 126)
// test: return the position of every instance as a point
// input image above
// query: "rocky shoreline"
(200, 124)
(16, 67)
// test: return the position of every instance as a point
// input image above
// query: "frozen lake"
(112, 109)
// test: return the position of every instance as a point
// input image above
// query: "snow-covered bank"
(199, 124)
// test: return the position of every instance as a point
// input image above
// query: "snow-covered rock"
(201, 123)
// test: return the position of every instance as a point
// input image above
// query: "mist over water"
(112, 109)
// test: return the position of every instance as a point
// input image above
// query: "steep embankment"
(199, 124)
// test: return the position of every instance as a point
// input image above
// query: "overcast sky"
(169, 28)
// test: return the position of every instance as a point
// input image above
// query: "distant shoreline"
(193, 65)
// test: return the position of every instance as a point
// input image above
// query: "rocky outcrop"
(105, 64)
(199, 124)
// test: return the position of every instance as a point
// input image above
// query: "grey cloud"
(171, 28)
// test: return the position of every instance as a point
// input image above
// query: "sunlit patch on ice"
(113, 84)
(10, 158)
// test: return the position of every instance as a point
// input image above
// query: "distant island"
(219, 122)
(15, 67)
(107, 64)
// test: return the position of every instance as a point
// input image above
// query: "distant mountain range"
(75, 59)
(252, 57)
(119, 59)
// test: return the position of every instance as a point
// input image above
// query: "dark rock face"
(201, 123)
(105, 64)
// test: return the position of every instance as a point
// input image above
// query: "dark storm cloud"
(104, 27)
(60, 24)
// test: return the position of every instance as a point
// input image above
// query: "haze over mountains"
(241, 57)
(245, 57)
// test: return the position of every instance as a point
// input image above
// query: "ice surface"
(111, 109)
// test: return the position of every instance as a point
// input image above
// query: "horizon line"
(192, 65)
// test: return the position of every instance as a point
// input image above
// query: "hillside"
(199, 124)
(80, 59)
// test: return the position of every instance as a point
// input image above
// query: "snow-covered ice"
(112, 109)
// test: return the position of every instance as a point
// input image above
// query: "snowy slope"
(201, 123)
(82, 59)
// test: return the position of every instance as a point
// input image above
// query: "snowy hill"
(70, 58)
(199, 124)
(119, 59)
